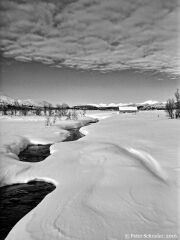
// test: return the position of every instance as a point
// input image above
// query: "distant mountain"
(103, 105)
(30, 102)
(151, 105)
(27, 102)
(6, 100)
(147, 105)
(150, 102)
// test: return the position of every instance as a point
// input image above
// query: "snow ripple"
(148, 162)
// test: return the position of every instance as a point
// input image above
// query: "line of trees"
(173, 106)
(24, 110)
(51, 113)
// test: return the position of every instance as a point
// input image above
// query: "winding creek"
(18, 199)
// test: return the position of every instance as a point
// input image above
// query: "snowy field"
(121, 179)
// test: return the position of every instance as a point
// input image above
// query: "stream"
(38, 152)
(18, 199)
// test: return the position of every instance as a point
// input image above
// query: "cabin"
(128, 109)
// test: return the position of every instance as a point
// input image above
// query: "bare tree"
(177, 103)
(48, 121)
(11, 109)
(73, 115)
(45, 110)
(38, 111)
(54, 119)
(170, 105)
(68, 115)
(24, 110)
(58, 112)
(4, 108)
(16, 107)
(84, 113)
(50, 109)
(64, 109)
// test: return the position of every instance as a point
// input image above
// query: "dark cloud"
(93, 34)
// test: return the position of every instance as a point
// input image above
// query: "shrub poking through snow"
(73, 115)
(48, 121)
(54, 119)
(84, 113)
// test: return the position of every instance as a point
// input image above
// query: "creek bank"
(17, 200)
(38, 152)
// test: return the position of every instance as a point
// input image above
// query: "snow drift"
(121, 178)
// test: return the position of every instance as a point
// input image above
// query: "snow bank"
(121, 178)
(17, 134)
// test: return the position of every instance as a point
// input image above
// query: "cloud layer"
(92, 34)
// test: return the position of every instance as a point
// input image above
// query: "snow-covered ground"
(101, 114)
(121, 178)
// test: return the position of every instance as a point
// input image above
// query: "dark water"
(75, 134)
(17, 200)
(38, 152)
(35, 153)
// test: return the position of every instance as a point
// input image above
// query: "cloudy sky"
(95, 45)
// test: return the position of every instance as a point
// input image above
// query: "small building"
(128, 109)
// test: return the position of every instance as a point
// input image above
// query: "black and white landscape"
(89, 119)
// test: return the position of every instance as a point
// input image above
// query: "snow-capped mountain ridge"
(5, 99)
(148, 102)
(110, 104)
